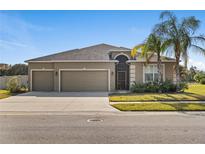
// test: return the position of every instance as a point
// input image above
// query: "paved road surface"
(115, 128)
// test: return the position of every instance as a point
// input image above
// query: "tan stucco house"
(100, 67)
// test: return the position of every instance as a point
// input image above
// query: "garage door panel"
(42, 80)
(84, 81)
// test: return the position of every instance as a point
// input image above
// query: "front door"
(121, 80)
(122, 73)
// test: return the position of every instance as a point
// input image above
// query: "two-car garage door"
(84, 80)
(71, 80)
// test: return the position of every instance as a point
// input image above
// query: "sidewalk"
(158, 102)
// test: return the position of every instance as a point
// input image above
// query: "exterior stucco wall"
(139, 72)
(75, 65)
(169, 71)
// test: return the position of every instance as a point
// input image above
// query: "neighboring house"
(4, 66)
(100, 67)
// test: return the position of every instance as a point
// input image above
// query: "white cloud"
(17, 32)
(199, 64)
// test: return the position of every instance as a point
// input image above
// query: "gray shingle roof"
(95, 52)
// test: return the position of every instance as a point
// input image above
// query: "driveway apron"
(54, 101)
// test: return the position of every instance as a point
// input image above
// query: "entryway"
(122, 73)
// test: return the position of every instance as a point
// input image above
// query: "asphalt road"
(114, 128)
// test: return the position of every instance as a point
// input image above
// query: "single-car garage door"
(42, 81)
(84, 80)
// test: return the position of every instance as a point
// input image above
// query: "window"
(150, 73)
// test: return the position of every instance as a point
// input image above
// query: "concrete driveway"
(58, 102)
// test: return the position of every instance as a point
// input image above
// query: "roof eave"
(65, 61)
(140, 61)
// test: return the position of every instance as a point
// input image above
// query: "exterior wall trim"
(139, 61)
(83, 69)
(121, 54)
(132, 74)
(31, 75)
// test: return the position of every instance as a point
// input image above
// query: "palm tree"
(181, 37)
(152, 46)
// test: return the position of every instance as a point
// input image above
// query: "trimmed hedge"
(154, 87)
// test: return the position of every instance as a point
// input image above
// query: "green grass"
(160, 106)
(196, 92)
(4, 94)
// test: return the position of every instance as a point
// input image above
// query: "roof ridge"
(72, 50)
(93, 49)
(97, 45)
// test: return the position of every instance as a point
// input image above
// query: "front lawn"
(157, 106)
(4, 94)
(195, 92)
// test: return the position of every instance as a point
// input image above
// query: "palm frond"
(166, 44)
(135, 49)
(191, 24)
(198, 49)
(143, 51)
(167, 14)
(200, 38)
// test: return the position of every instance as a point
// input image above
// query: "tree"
(199, 76)
(18, 69)
(181, 36)
(152, 46)
(192, 72)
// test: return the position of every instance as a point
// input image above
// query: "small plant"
(202, 81)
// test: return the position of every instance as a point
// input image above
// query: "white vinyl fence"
(4, 79)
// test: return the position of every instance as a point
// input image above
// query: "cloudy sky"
(30, 34)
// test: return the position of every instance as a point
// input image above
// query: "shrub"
(183, 86)
(202, 81)
(152, 87)
(163, 87)
(137, 88)
(23, 89)
(198, 77)
(13, 84)
(167, 86)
